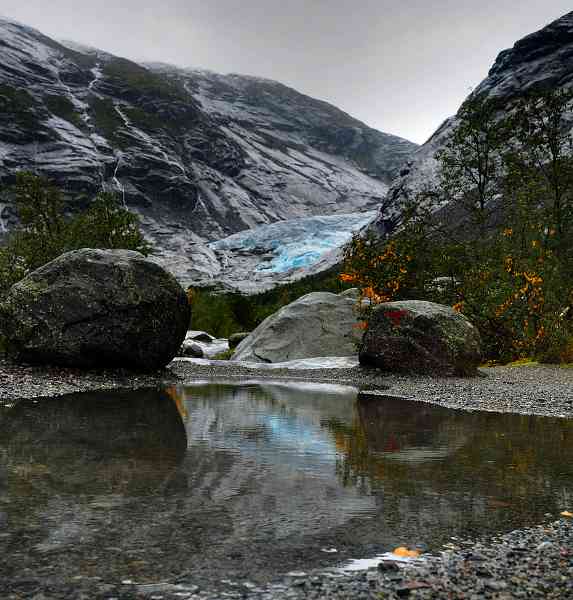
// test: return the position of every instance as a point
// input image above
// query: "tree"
(498, 228)
(45, 231)
(540, 164)
(470, 163)
(106, 224)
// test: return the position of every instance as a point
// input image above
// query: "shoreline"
(533, 389)
(535, 562)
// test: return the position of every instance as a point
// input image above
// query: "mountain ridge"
(198, 156)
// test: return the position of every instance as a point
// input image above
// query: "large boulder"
(96, 308)
(420, 337)
(318, 324)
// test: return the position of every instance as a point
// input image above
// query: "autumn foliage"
(494, 236)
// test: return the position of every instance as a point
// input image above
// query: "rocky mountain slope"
(199, 156)
(542, 60)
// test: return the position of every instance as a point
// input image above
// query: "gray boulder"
(198, 344)
(414, 336)
(191, 349)
(318, 324)
(96, 308)
(199, 336)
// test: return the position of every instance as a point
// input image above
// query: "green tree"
(540, 165)
(471, 161)
(106, 224)
(46, 231)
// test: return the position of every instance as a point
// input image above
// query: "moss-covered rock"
(96, 308)
(414, 336)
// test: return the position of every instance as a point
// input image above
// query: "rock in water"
(420, 337)
(96, 308)
(318, 324)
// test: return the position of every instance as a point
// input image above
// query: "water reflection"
(260, 477)
(113, 443)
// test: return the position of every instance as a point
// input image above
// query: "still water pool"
(227, 480)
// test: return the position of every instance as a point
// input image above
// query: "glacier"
(259, 258)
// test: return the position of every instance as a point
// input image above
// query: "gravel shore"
(529, 563)
(528, 389)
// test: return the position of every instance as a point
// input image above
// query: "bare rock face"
(318, 324)
(96, 308)
(197, 155)
(415, 336)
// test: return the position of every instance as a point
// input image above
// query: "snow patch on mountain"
(3, 224)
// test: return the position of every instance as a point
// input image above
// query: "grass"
(62, 107)
(19, 107)
(227, 355)
(106, 119)
(143, 119)
(137, 80)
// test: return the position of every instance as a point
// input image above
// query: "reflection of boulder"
(94, 443)
(394, 428)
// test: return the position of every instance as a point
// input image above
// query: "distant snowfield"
(258, 258)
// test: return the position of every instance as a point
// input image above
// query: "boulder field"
(96, 308)
(410, 336)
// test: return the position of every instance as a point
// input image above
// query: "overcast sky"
(401, 66)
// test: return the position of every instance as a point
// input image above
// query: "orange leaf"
(404, 552)
(567, 514)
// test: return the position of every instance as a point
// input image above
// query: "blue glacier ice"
(296, 243)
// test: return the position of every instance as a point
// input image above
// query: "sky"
(401, 66)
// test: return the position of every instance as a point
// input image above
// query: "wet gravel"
(529, 389)
(523, 564)
(27, 381)
(535, 563)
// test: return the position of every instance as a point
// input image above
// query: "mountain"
(199, 156)
(540, 61)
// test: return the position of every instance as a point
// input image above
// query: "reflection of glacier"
(282, 457)
(274, 426)
(285, 250)
(258, 477)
